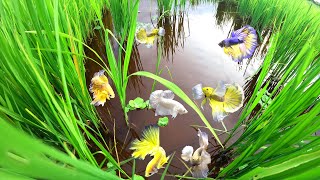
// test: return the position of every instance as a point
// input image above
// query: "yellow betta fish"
(147, 37)
(150, 145)
(100, 88)
(225, 99)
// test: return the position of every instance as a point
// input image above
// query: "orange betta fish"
(100, 88)
(150, 144)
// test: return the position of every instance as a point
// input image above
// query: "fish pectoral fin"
(204, 101)
(174, 114)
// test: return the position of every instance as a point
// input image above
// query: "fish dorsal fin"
(221, 89)
(149, 143)
(168, 94)
(155, 98)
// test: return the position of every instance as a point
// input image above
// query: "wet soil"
(190, 55)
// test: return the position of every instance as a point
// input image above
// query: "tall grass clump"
(296, 20)
(23, 157)
(43, 89)
(124, 34)
(279, 140)
(167, 7)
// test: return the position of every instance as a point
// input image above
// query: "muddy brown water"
(190, 56)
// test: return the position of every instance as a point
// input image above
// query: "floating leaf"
(137, 177)
(132, 103)
(163, 121)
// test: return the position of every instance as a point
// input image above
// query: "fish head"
(182, 110)
(208, 91)
(161, 31)
(110, 91)
(222, 44)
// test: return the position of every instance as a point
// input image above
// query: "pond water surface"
(190, 56)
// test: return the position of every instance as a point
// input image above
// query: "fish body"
(148, 37)
(150, 145)
(159, 159)
(225, 99)
(163, 103)
(241, 44)
(101, 89)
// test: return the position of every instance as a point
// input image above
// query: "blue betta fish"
(241, 44)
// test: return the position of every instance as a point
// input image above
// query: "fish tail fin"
(148, 144)
(141, 36)
(218, 112)
(233, 99)
(237, 52)
(250, 42)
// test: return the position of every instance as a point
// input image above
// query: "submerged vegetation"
(44, 93)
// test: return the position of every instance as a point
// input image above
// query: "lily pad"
(137, 177)
(163, 121)
(139, 102)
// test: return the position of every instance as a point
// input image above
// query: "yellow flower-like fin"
(233, 99)
(148, 38)
(141, 36)
(149, 143)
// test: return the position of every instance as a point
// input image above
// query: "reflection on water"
(175, 33)
(191, 44)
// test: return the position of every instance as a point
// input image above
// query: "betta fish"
(150, 145)
(225, 99)
(200, 158)
(100, 88)
(163, 103)
(241, 44)
(147, 35)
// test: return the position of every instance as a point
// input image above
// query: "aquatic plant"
(282, 16)
(279, 140)
(117, 68)
(23, 156)
(137, 103)
(44, 90)
(163, 121)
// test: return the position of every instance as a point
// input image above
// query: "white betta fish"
(200, 158)
(163, 103)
